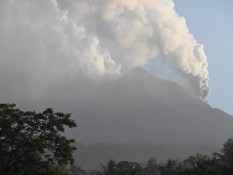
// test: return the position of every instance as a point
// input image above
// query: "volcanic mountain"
(142, 108)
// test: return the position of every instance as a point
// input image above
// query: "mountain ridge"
(140, 108)
(139, 100)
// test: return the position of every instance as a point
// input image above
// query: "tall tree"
(129, 168)
(228, 150)
(151, 168)
(109, 169)
(33, 143)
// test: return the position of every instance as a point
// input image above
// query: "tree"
(121, 168)
(33, 143)
(228, 151)
(76, 170)
(151, 168)
(171, 167)
(109, 169)
(204, 165)
(129, 168)
(226, 159)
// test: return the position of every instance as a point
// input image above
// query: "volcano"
(142, 108)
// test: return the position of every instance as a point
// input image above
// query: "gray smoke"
(46, 44)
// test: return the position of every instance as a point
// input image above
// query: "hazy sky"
(211, 23)
(54, 48)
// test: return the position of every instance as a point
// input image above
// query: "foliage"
(218, 164)
(75, 170)
(171, 167)
(33, 143)
(152, 168)
(228, 151)
(203, 165)
(122, 168)
(128, 168)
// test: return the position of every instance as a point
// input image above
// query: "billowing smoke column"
(135, 30)
(85, 38)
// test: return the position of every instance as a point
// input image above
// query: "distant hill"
(142, 108)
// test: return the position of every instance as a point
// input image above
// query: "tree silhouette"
(33, 143)
(129, 168)
(121, 168)
(228, 151)
(151, 168)
(109, 169)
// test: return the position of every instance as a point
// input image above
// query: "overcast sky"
(211, 23)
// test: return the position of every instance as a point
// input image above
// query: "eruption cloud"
(58, 41)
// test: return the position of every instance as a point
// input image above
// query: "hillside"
(142, 108)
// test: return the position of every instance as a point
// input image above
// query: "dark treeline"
(217, 164)
(90, 156)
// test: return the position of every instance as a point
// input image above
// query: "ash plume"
(46, 44)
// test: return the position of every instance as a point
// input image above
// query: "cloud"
(49, 45)
(135, 31)
(42, 48)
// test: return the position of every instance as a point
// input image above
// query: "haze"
(89, 58)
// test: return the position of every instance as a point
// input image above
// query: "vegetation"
(32, 143)
(218, 164)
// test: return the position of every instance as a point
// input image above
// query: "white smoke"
(135, 31)
(43, 42)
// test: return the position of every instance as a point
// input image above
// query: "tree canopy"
(218, 164)
(34, 143)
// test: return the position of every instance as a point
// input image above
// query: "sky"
(72, 55)
(211, 23)
(62, 48)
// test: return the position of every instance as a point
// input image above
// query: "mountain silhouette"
(140, 107)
